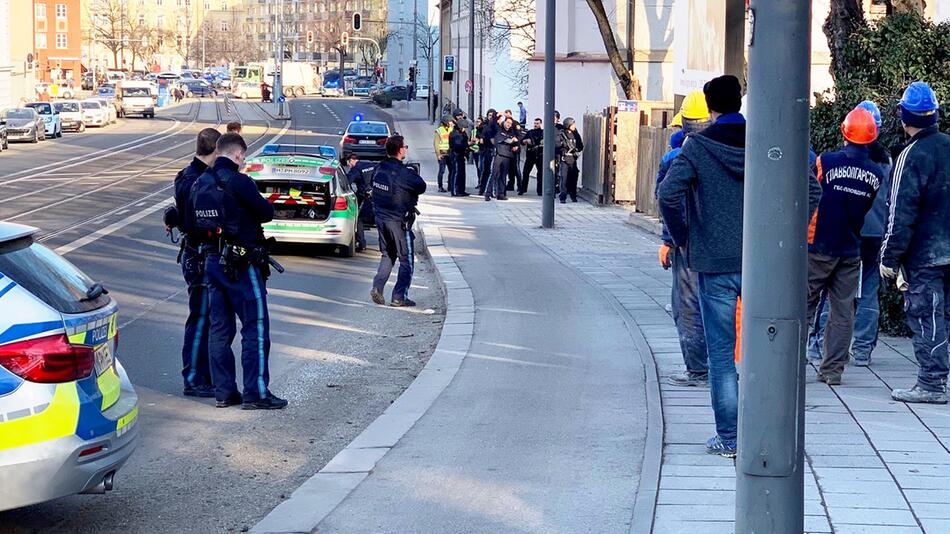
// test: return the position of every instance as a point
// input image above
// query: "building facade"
(57, 40)
(409, 37)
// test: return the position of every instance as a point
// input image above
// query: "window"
(224, 5)
(60, 40)
(207, 5)
(40, 11)
(141, 20)
(224, 25)
(60, 11)
(41, 40)
(160, 20)
(158, 2)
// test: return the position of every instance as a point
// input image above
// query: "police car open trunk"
(299, 200)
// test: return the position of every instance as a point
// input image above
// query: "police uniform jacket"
(502, 146)
(568, 144)
(536, 135)
(458, 143)
(244, 206)
(396, 190)
(918, 232)
(184, 181)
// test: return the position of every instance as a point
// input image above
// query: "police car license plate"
(367, 142)
(104, 357)
(292, 170)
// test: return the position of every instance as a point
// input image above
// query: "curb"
(316, 498)
(644, 505)
(646, 223)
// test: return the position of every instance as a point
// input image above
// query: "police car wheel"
(347, 251)
(82, 127)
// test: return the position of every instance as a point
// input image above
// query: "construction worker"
(684, 296)
(917, 242)
(850, 180)
(441, 145)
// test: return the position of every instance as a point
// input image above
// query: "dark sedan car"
(365, 138)
(24, 124)
(195, 87)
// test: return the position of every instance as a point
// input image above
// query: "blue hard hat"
(919, 98)
(872, 108)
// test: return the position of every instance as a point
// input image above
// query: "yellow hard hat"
(677, 121)
(694, 106)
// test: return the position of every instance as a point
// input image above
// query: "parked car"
(70, 413)
(24, 124)
(86, 82)
(245, 90)
(367, 139)
(53, 126)
(108, 93)
(196, 87)
(70, 115)
(95, 113)
(422, 91)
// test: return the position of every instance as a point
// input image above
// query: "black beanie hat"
(723, 94)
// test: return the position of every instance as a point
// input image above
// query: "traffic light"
(412, 75)
(357, 21)
(309, 37)
(345, 38)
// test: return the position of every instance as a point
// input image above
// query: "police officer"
(396, 190)
(194, 352)
(440, 144)
(533, 142)
(506, 142)
(568, 146)
(487, 149)
(229, 210)
(458, 153)
(917, 241)
(359, 173)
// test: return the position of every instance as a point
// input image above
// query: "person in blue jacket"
(396, 189)
(917, 240)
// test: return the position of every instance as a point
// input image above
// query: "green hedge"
(880, 60)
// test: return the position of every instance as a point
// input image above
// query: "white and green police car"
(312, 198)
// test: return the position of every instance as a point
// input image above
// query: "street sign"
(281, 99)
(469, 86)
(448, 64)
(345, 38)
(628, 105)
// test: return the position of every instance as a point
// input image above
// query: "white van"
(135, 98)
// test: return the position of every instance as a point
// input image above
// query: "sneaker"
(233, 400)
(714, 445)
(573, 199)
(831, 380)
(563, 201)
(487, 199)
(377, 297)
(206, 392)
(464, 195)
(687, 379)
(915, 394)
(864, 361)
(404, 303)
(442, 190)
(502, 198)
(270, 402)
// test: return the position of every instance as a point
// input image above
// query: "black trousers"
(514, 172)
(532, 160)
(499, 173)
(487, 154)
(457, 174)
(568, 173)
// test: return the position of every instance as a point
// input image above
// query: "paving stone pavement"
(872, 464)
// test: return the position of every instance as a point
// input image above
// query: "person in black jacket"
(514, 167)
(396, 190)
(568, 146)
(359, 173)
(533, 142)
(506, 141)
(458, 152)
(236, 269)
(917, 241)
(194, 352)
(487, 149)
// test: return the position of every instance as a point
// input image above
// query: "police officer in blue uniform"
(194, 353)
(229, 211)
(359, 173)
(396, 190)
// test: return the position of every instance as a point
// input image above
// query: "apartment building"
(57, 40)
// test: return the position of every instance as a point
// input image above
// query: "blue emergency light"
(358, 117)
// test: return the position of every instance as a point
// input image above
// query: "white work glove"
(888, 273)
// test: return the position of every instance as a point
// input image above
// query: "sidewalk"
(552, 418)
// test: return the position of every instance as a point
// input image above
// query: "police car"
(313, 201)
(68, 413)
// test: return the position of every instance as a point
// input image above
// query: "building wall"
(6, 66)
(398, 57)
(58, 40)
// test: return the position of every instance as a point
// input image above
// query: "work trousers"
(837, 278)
(927, 303)
(687, 316)
(245, 295)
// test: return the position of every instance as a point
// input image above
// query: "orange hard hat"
(859, 127)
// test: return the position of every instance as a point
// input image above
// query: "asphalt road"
(339, 359)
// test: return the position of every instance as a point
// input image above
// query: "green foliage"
(880, 61)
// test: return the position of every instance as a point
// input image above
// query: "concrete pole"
(415, 36)
(279, 76)
(550, 48)
(770, 466)
(471, 58)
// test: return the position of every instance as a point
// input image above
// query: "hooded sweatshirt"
(708, 174)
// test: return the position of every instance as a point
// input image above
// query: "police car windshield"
(66, 106)
(19, 114)
(41, 107)
(48, 276)
(375, 128)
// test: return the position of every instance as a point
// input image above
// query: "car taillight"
(340, 204)
(330, 171)
(382, 141)
(349, 140)
(48, 360)
(254, 167)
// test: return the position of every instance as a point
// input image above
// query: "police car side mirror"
(340, 132)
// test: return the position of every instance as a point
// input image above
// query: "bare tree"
(845, 17)
(628, 80)
(108, 25)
